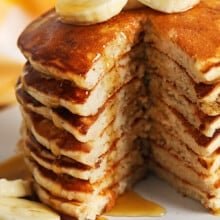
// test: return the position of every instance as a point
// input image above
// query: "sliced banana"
(16, 188)
(20, 209)
(133, 4)
(85, 12)
(170, 6)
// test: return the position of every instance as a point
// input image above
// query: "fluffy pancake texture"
(102, 104)
(184, 92)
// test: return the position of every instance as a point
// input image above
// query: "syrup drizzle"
(133, 205)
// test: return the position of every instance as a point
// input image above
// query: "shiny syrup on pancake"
(131, 204)
(128, 205)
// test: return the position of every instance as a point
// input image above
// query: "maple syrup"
(14, 168)
(216, 213)
(133, 205)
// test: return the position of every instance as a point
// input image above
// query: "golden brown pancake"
(189, 39)
(64, 165)
(62, 93)
(161, 66)
(77, 53)
(49, 44)
(88, 128)
(60, 142)
(172, 120)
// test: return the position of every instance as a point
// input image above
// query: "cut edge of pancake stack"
(82, 145)
(85, 110)
(184, 91)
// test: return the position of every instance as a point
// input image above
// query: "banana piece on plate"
(86, 12)
(16, 188)
(170, 6)
(20, 209)
(133, 4)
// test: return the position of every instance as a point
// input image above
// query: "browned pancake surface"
(196, 31)
(75, 48)
(53, 87)
(46, 128)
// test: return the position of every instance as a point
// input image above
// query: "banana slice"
(20, 209)
(16, 188)
(133, 4)
(86, 12)
(170, 6)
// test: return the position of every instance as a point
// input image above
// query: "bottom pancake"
(67, 187)
(97, 205)
(184, 187)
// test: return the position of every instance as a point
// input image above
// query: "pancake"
(76, 209)
(205, 165)
(60, 142)
(64, 165)
(210, 202)
(177, 124)
(203, 95)
(96, 48)
(208, 184)
(43, 43)
(172, 35)
(97, 205)
(59, 93)
(164, 90)
(88, 128)
(70, 188)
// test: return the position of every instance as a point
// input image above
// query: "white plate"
(177, 206)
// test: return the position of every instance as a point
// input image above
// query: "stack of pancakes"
(83, 106)
(183, 60)
(87, 93)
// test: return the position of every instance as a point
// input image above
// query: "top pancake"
(81, 54)
(84, 54)
(192, 39)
